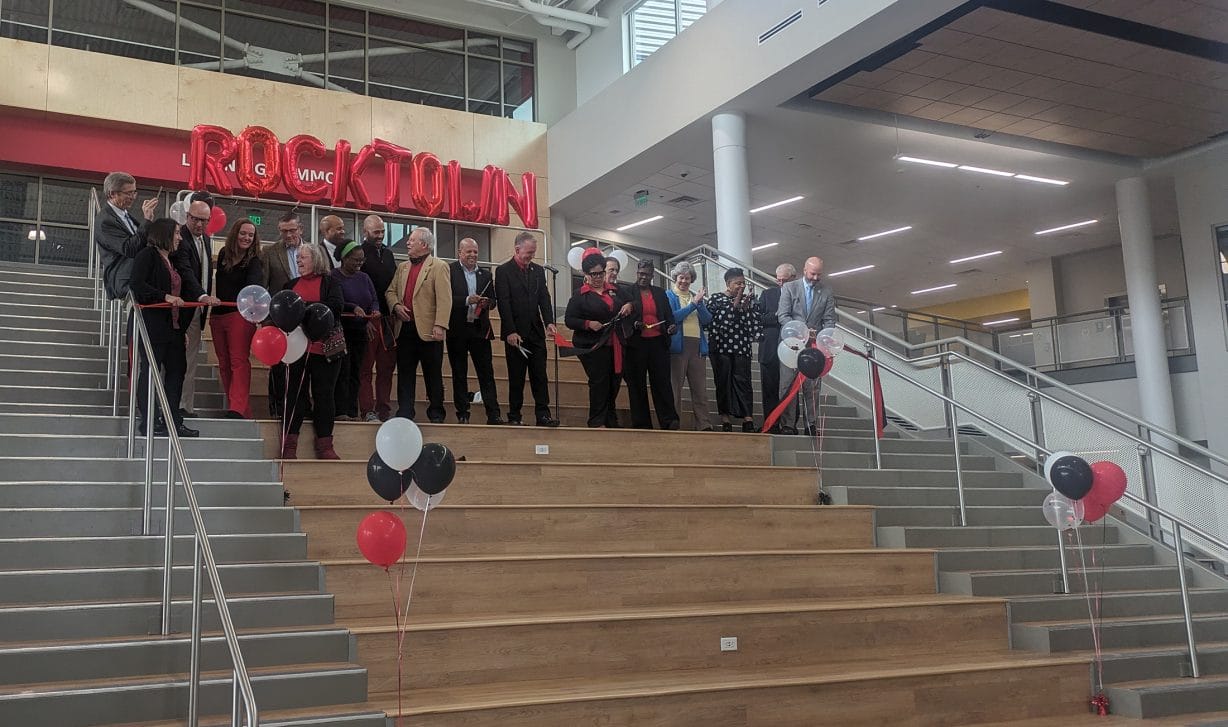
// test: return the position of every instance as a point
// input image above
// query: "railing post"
(1179, 545)
(134, 365)
(151, 418)
(117, 315)
(168, 541)
(1038, 430)
(878, 448)
(1061, 559)
(1145, 466)
(952, 415)
(197, 627)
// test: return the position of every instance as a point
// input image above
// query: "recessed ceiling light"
(931, 162)
(579, 242)
(983, 170)
(1042, 180)
(884, 233)
(850, 270)
(764, 246)
(637, 224)
(777, 204)
(975, 257)
(1000, 322)
(1071, 226)
(937, 287)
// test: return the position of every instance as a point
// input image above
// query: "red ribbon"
(1100, 704)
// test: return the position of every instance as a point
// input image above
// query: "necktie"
(809, 298)
(131, 223)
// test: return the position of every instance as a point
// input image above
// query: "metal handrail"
(202, 552)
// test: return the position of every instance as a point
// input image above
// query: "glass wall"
(305, 42)
(44, 220)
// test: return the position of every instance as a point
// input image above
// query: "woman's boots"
(289, 447)
(324, 448)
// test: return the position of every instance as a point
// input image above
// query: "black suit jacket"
(665, 312)
(381, 267)
(118, 246)
(589, 306)
(770, 300)
(457, 324)
(524, 302)
(187, 261)
(151, 283)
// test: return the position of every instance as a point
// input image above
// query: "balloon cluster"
(179, 213)
(295, 323)
(1083, 493)
(402, 466)
(813, 362)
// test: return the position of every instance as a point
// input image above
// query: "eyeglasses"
(201, 220)
(126, 193)
(596, 273)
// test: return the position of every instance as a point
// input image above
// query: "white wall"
(1123, 394)
(600, 60)
(1084, 279)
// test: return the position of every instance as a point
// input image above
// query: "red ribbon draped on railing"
(880, 421)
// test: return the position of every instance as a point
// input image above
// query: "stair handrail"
(202, 552)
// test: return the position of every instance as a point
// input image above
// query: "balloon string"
(402, 620)
(394, 585)
(1091, 618)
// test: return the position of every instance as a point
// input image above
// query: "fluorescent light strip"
(850, 270)
(764, 246)
(1042, 180)
(884, 233)
(975, 257)
(861, 312)
(1018, 335)
(1071, 226)
(983, 170)
(930, 162)
(777, 204)
(875, 310)
(580, 242)
(637, 224)
(1000, 322)
(931, 290)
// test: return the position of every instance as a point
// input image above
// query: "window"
(653, 23)
(44, 220)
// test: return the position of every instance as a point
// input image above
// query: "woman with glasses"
(689, 346)
(590, 315)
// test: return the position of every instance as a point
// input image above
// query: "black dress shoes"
(185, 414)
(547, 422)
(495, 421)
(159, 429)
(726, 427)
(514, 422)
(788, 431)
(748, 427)
(184, 431)
(462, 418)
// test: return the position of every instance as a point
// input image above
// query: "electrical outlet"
(729, 643)
(541, 449)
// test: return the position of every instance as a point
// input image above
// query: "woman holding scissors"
(648, 352)
(593, 314)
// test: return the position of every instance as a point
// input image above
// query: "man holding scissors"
(647, 366)
(469, 332)
(526, 316)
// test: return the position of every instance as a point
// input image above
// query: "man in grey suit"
(118, 235)
(813, 303)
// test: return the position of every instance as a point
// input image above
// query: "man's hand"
(474, 299)
(550, 329)
(438, 332)
(149, 208)
(209, 300)
(671, 330)
(402, 312)
(174, 300)
(626, 310)
(513, 339)
(358, 311)
(593, 325)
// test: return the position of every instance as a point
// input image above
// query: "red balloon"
(217, 220)
(203, 163)
(525, 203)
(255, 182)
(428, 184)
(1108, 484)
(492, 208)
(393, 156)
(381, 538)
(306, 192)
(1093, 511)
(269, 345)
(453, 178)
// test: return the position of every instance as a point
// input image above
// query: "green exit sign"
(257, 220)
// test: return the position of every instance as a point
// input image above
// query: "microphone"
(551, 268)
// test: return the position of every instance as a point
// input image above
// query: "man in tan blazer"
(421, 295)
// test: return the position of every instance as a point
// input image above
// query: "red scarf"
(309, 289)
(411, 283)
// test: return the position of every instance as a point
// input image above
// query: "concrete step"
(1124, 604)
(17, 345)
(63, 410)
(50, 296)
(27, 394)
(83, 445)
(1123, 633)
(939, 515)
(840, 443)
(982, 537)
(107, 425)
(21, 320)
(86, 469)
(145, 550)
(908, 461)
(31, 274)
(206, 380)
(78, 522)
(94, 495)
(1167, 697)
(935, 496)
(70, 311)
(19, 334)
(51, 586)
(1026, 583)
(23, 362)
(1032, 558)
(1162, 663)
(834, 476)
(137, 618)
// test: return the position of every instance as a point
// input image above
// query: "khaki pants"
(690, 364)
(192, 336)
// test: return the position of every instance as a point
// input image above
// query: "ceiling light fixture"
(1071, 226)
(875, 310)
(850, 270)
(637, 224)
(937, 287)
(930, 162)
(1000, 322)
(884, 233)
(1042, 180)
(777, 204)
(983, 170)
(580, 242)
(957, 261)
(764, 246)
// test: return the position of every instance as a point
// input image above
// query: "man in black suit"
(381, 356)
(647, 363)
(195, 257)
(526, 317)
(469, 332)
(118, 235)
(769, 362)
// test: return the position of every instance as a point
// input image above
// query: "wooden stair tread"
(546, 463)
(267, 716)
(636, 554)
(489, 696)
(10, 690)
(602, 506)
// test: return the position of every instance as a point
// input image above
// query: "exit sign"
(257, 220)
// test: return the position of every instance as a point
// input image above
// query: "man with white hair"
(769, 362)
(420, 297)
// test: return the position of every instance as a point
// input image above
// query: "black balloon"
(434, 469)
(810, 362)
(1072, 476)
(286, 310)
(387, 482)
(318, 322)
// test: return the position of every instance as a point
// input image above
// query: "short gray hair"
(682, 268)
(788, 270)
(319, 258)
(524, 237)
(114, 181)
(425, 235)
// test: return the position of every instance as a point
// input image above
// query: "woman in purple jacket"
(361, 303)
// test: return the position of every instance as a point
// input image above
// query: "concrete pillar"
(732, 186)
(560, 243)
(1146, 324)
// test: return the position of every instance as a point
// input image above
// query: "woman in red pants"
(238, 266)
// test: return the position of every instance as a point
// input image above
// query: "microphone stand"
(554, 287)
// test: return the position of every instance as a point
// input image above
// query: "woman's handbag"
(334, 345)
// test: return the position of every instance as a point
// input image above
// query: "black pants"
(611, 416)
(734, 396)
(277, 390)
(312, 384)
(535, 366)
(769, 371)
(460, 349)
(171, 357)
(351, 370)
(647, 367)
(411, 351)
(602, 385)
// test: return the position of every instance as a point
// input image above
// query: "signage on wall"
(259, 164)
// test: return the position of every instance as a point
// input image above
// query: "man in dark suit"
(526, 317)
(647, 362)
(195, 257)
(381, 353)
(810, 301)
(769, 362)
(280, 267)
(470, 334)
(118, 235)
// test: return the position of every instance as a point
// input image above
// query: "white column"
(732, 185)
(560, 243)
(1146, 324)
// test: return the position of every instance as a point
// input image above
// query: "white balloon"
(253, 303)
(832, 339)
(795, 343)
(1054, 458)
(787, 354)
(179, 213)
(1061, 512)
(574, 257)
(399, 442)
(421, 500)
(794, 329)
(296, 345)
(622, 259)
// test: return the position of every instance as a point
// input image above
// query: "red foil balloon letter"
(207, 168)
(393, 156)
(347, 176)
(427, 184)
(493, 204)
(258, 182)
(458, 208)
(525, 204)
(292, 174)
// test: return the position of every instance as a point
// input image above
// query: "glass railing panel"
(1020, 346)
(1094, 339)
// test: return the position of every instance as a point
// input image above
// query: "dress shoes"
(184, 431)
(812, 430)
(462, 418)
(726, 426)
(230, 414)
(547, 422)
(185, 414)
(748, 427)
(435, 420)
(788, 431)
(159, 429)
(514, 422)
(495, 421)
